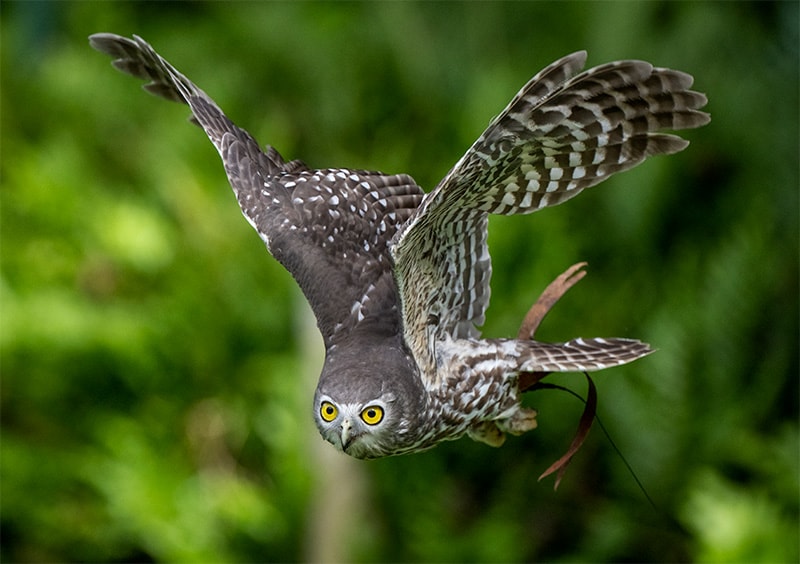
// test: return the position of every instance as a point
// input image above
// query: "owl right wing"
(562, 133)
(329, 228)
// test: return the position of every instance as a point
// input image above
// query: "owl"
(398, 279)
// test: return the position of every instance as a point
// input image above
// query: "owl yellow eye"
(372, 415)
(328, 411)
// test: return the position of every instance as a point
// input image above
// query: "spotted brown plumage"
(399, 280)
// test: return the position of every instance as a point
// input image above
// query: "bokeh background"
(158, 365)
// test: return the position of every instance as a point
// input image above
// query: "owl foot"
(493, 433)
(487, 432)
(522, 421)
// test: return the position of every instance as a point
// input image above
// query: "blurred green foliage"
(157, 374)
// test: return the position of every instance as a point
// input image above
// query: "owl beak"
(347, 438)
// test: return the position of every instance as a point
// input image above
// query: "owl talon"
(487, 432)
(522, 421)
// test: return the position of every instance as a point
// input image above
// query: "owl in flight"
(399, 279)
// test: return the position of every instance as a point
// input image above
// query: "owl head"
(367, 405)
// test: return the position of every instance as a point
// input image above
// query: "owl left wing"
(560, 134)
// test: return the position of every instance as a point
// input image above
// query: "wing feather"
(329, 228)
(559, 135)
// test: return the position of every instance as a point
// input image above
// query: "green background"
(158, 366)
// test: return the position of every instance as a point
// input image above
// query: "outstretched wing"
(329, 228)
(557, 136)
